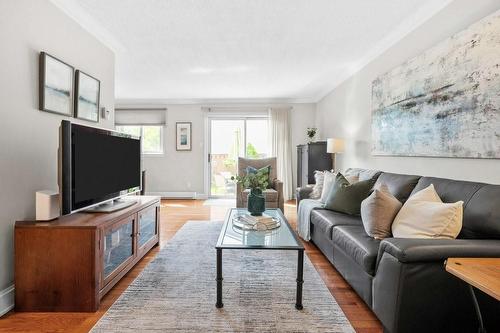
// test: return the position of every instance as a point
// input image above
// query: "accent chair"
(273, 195)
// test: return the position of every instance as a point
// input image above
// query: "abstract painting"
(55, 86)
(183, 134)
(444, 102)
(87, 91)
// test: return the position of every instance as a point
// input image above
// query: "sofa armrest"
(419, 250)
(302, 193)
(278, 186)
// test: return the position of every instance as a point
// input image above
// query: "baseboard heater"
(178, 195)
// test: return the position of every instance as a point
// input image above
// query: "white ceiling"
(243, 49)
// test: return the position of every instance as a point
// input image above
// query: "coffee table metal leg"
(300, 279)
(219, 279)
(478, 310)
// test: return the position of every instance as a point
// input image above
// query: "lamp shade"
(334, 145)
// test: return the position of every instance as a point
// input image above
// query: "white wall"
(183, 171)
(346, 111)
(29, 137)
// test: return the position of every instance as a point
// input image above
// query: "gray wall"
(181, 171)
(346, 111)
(29, 137)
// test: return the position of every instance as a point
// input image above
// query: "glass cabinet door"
(147, 228)
(118, 247)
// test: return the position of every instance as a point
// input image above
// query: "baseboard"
(6, 300)
(178, 195)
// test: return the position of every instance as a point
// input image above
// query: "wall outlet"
(188, 185)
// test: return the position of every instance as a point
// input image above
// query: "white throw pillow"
(328, 181)
(424, 215)
(319, 179)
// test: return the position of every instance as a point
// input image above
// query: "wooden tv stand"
(70, 263)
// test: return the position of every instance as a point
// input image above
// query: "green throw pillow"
(345, 197)
(266, 170)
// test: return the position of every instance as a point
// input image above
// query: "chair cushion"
(269, 194)
(354, 241)
(325, 220)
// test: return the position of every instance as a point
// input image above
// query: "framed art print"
(55, 85)
(183, 135)
(87, 91)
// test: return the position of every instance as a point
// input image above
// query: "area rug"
(176, 292)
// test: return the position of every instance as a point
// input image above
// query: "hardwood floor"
(174, 213)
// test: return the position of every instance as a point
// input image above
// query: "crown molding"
(422, 15)
(88, 23)
(213, 101)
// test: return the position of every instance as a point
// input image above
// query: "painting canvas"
(87, 97)
(444, 102)
(56, 85)
(183, 131)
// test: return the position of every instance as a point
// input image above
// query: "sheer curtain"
(279, 135)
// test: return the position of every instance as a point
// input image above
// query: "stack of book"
(264, 222)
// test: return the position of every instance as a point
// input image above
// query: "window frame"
(161, 152)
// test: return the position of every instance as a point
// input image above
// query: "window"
(152, 137)
(231, 138)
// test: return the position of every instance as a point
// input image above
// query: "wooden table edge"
(450, 268)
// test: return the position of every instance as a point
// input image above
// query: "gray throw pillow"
(378, 212)
(345, 197)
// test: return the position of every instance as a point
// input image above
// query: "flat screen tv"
(96, 166)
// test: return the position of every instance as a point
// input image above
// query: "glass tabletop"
(282, 238)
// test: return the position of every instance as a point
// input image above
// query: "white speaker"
(47, 205)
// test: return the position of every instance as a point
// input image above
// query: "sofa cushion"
(354, 241)
(325, 220)
(482, 214)
(362, 174)
(269, 194)
(400, 186)
(481, 204)
(450, 190)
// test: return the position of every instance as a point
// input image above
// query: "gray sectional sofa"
(404, 280)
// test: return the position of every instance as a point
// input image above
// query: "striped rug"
(176, 291)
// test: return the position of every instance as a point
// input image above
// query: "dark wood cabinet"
(311, 157)
(70, 263)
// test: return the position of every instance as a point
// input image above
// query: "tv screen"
(97, 165)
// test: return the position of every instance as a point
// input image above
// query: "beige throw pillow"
(424, 215)
(378, 211)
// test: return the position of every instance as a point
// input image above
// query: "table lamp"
(334, 146)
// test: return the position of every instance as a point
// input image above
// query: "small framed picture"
(55, 85)
(183, 135)
(87, 92)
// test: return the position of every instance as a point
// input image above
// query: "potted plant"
(311, 133)
(257, 182)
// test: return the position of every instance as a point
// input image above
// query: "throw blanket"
(303, 217)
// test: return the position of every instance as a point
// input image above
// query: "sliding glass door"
(231, 138)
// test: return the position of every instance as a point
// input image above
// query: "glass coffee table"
(282, 238)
